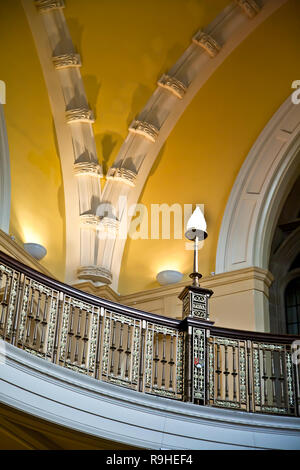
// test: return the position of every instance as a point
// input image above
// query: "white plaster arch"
(5, 183)
(259, 192)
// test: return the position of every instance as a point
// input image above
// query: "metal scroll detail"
(199, 364)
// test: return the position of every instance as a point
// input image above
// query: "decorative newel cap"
(195, 302)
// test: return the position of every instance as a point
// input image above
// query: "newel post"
(196, 325)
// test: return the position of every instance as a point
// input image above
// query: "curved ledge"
(79, 402)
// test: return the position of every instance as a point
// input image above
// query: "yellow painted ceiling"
(125, 47)
(37, 199)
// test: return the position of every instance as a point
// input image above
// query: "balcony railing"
(189, 360)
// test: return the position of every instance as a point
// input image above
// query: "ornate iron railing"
(188, 360)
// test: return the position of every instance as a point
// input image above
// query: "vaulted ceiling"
(125, 47)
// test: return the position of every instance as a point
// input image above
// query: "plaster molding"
(173, 85)
(88, 168)
(95, 273)
(207, 43)
(122, 174)
(90, 220)
(80, 402)
(73, 122)
(5, 182)
(80, 115)
(66, 60)
(258, 194)
(44, 6)
(147, 130)
(250, 7)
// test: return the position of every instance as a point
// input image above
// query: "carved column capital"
(109, 225)
(207, 43)
(250, 7)
(173, 85)
(145, 129)
(88, 169)
(89, 220)
(47, 5)
(66, 60)
(80, 115)
(95, 273)
(122, 174)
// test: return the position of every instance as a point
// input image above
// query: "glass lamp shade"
(34, 249)
(168, 277)
(196, 226)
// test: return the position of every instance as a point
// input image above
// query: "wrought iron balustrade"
(188, 360)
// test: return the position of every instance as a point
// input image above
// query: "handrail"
(189, 360)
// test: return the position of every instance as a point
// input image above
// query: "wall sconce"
(35, 250)
(168, 277)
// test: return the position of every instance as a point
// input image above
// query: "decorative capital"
(173, 85)
(195, 302)
(66, 60)
(47, 5)
(109, 225)
(89, 220)
(207, 43)
(80, 115)
(122, 174)
(250, 7)
(145, 129)
(95, 273)
(88, 169)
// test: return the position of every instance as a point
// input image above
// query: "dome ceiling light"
(35, 250)
(168, 277)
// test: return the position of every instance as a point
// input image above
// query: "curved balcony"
(140, 379)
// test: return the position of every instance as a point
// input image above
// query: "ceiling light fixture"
(168, 277)
(35, 250)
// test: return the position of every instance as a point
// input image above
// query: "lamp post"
(195, 312)
(194, 297)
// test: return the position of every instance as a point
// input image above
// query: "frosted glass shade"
(34, 249)
(168, 277)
